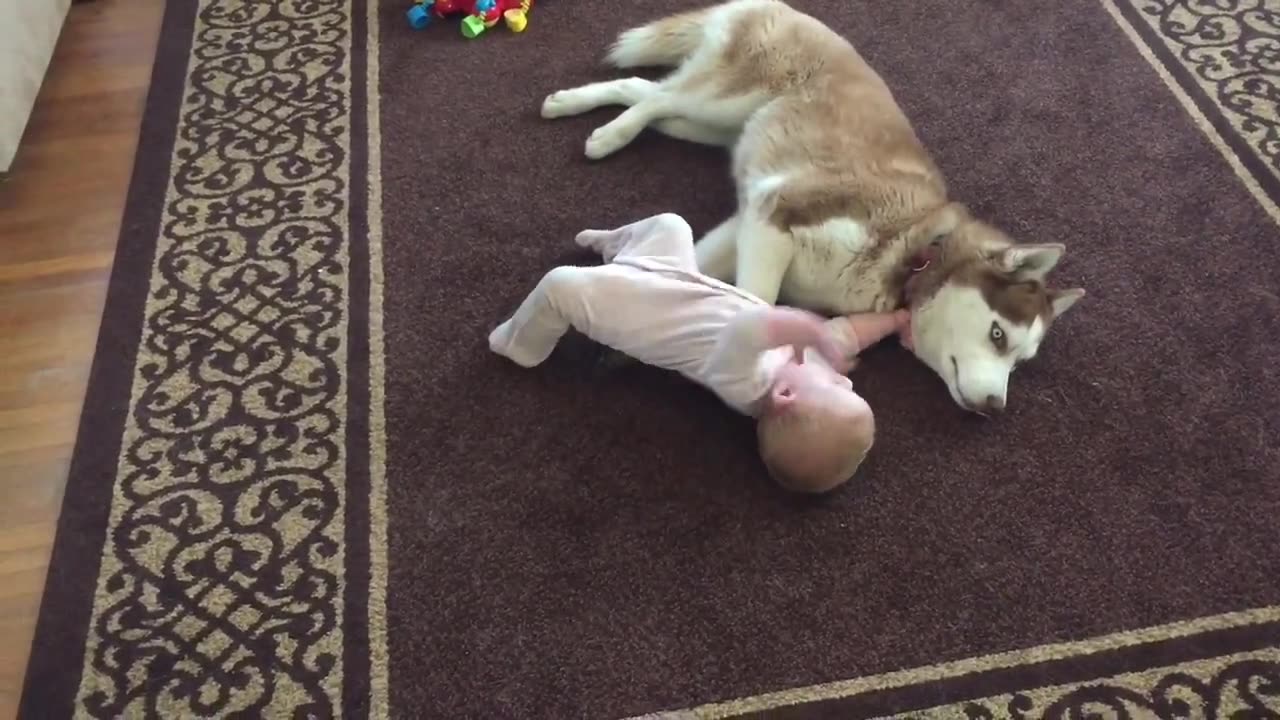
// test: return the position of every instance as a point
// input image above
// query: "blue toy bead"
(419, 17)
(484, 6)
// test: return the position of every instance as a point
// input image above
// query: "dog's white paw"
(605, 141)
(560, 104)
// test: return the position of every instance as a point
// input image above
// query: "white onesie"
(651, 302)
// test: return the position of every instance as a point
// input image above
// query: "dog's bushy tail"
(663, 42)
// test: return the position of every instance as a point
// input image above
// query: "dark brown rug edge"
(53, 671)
(356, 656)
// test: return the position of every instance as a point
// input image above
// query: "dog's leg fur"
(764, 252)
(688, 104)
(717, 251)
(695, 132)
(575, 101)
(619, 132)
(630, 91)
(674, 97)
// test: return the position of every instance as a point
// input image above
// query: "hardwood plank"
(61, 264)
(60, 211)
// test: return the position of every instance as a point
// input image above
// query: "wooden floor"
(60, 211)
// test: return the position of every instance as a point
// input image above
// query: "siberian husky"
(840, 207)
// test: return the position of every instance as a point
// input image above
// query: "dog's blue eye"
(997, 337)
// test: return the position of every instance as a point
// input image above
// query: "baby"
(780, 365)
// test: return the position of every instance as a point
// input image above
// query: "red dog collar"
(916, 264)
(921, 260)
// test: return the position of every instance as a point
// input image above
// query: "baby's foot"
(610, 243)
(502, 341)
(606, 242)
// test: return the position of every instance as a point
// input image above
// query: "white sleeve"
(736, 355)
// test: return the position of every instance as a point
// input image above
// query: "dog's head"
(980, 307)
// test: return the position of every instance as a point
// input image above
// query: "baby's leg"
(665, 237)
(556, 303)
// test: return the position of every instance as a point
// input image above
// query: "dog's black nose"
(995, 404)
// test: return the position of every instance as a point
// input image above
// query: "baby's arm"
(756, 330)
(859, 331)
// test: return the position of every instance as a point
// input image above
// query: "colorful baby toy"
(480, 14)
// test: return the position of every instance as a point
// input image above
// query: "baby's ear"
(782, 395)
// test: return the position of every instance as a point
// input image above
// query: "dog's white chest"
(834, 267)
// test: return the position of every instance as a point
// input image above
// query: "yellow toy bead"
(516, 20)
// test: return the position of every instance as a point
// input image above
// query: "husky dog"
(840, 207)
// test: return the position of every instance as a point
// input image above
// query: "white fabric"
(28, 33)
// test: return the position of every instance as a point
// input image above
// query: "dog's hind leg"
(575, 101)
(619, 132)
(683, 96)
(693, 131)
(629, 91)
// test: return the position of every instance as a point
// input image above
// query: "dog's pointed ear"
(1062, 300)
(1031, 262)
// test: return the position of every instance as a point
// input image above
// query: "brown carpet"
(304, 487)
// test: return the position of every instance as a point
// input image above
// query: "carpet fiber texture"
(305, 488)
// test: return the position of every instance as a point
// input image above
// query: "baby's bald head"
(815, 442)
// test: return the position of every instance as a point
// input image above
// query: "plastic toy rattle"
(480, 14)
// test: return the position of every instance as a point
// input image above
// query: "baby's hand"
(801, 329)
(870, 328)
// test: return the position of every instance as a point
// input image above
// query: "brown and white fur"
(837, 198)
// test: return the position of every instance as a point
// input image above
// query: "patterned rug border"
(1247, 630)
(1207, 113)
(52, 688)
